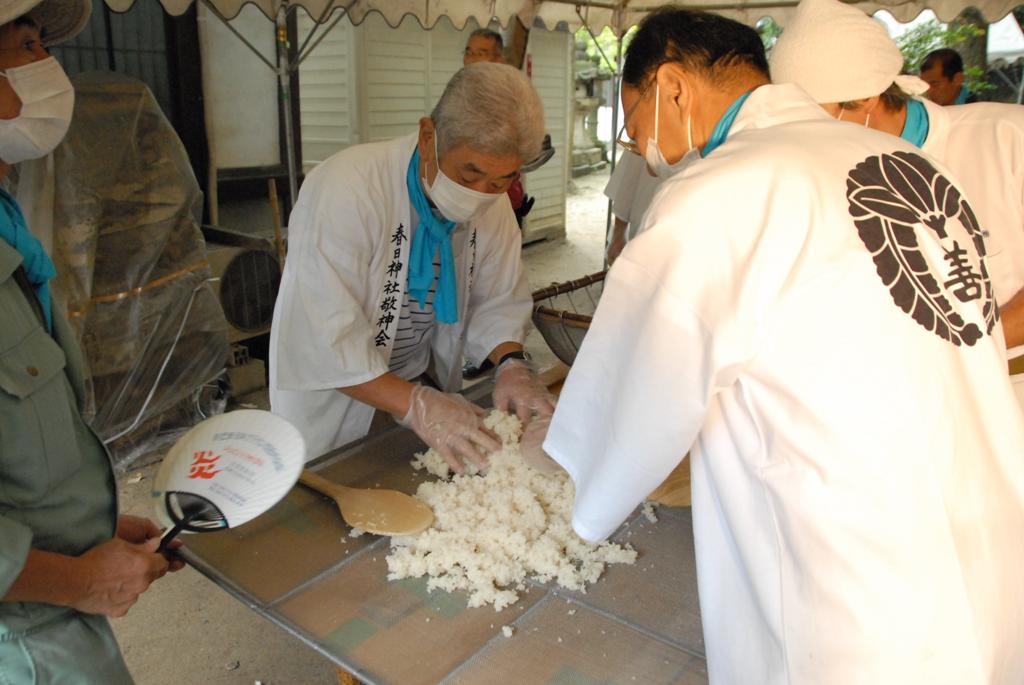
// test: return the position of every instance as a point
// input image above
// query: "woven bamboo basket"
(562, 313)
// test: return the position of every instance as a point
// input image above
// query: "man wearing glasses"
(484, 45)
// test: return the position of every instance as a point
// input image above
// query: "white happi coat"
(341, 291)
(982, 144)
(631, 190)
(858, 456)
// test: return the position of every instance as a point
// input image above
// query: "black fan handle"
(170, 534)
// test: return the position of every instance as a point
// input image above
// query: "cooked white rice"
(494, 530)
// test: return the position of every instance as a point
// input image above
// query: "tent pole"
(284, 81)
(616, 81)
(303, 53)
(609, 218)
(224, 20)
(322, 18)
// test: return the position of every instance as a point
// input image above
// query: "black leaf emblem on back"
(891, 194)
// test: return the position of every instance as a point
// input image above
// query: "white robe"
(341, 291)
(982, 144)
(858, 517)
(631, 189)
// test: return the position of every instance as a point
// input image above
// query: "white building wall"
(327, 95)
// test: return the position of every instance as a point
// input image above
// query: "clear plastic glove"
(452, 425)
(531, 446)
(518, 390)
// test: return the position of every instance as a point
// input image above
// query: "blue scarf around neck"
(721, 130)
(915, 130)
(38, 266)
(432, 234)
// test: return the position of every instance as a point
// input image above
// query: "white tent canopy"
(554, 14)
(620, 15)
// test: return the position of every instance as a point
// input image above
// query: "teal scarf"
(431, 234)
(721, 130)
(915, 130)
(961, 99)
(38, 266)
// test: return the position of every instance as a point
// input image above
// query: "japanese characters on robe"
(982, 144)
(342, 288)
(807, 310)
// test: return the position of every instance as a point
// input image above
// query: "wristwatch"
(518, 354)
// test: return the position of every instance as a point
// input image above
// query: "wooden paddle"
(675, 491)
(381, 512)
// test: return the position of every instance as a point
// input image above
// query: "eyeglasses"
(627, 144)
(622, 139)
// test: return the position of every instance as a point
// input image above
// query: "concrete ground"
(185, 630)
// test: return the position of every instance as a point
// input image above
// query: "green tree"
(769, 30)
(916, 43)
(607, 43)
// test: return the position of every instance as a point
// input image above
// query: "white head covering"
(837, 54)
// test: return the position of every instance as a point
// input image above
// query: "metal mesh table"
(297, 567)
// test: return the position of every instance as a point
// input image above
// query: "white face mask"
(47, 101)
(652, 155)
(867, 121)
(456, 202)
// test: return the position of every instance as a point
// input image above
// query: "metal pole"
(616, 95)
(316, 25)
(615, 132)
(586, 25)
(284, 81)
(224, 20)
(303, 53)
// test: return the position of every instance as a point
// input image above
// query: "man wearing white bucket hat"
(848, 63)
(787, 314)
(66, 559)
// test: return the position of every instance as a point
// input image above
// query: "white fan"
(226, 471)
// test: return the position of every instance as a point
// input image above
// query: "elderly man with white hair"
(404, 256)
(848, 63)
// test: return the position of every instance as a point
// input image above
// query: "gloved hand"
(517, 389)
(531, 446)
(452, 425)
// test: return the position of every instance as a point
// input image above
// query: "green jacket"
(57, 488)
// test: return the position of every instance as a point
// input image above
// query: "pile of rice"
(494, 530)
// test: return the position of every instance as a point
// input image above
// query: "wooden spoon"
(381, 512)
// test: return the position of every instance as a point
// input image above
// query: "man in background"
(630, 188)
(943, 71)
(484, 45)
